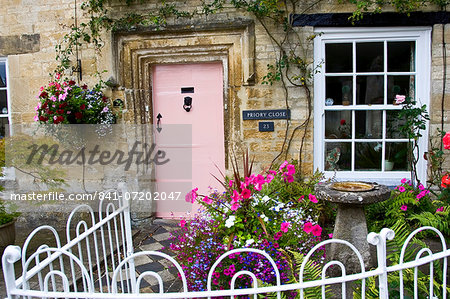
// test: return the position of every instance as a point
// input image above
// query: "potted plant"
(7, 219)
(345, 95)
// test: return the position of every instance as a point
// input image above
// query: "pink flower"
(273, 172)
(182, 223)
(235, 197)
(301, 198)
(283, 165)
(36, 118)
(230, 183)
(58, 76)
(440, 209)
(404, 207)
(399, 99)
(317, 230)
(191, 196)
(421, 187)
(290, 169)
(269, 178)
(446, 140)
(330, 236)
(285, 226)
(235, 206)
(288, 178)
(277, 236)
(312, 198)
(207, 200)
(401, 189)
(403, 181)
(308, 227)
(246, 194)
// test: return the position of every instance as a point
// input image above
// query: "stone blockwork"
(29, 31)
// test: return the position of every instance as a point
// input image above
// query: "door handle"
(187, 104)
(158, 123)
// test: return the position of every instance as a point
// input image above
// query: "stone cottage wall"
(29, 30)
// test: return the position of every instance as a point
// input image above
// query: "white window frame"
(422, 36)
(8, 172)
(8, 115)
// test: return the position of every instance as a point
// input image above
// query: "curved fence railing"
(98, 262)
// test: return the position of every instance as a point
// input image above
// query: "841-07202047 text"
(135, 195)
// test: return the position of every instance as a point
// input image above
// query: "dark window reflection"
(368, 156)
(338, 58)
(401, 56)
(2, 74)
(3, 102)
(393, 125)
(339, 89)
(338, 124)
(396, 156)
(338, 156)
(369, 90)
(403, 85)
(368, 124)
(369, 57)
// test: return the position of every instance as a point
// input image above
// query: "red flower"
(58, 119)
(44, 105)
(246, 193)
(446, 140)
(445, 182)
(60, 111)
(63, 105)
(78, 115)
(84, 86)
(71, 82)
(83, 106)
(43, 118)
(43, 94)
(343, 122)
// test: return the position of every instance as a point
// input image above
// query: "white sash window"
(356, 123)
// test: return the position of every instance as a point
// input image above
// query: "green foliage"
(410, 206)
(415, 118)
(402, 231)
(403, 6)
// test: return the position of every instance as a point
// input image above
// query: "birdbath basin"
(351, 225)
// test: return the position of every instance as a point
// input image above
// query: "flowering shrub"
(269, 211)
(409, 205)
(64, 102)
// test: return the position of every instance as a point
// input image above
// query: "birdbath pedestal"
(351, 225)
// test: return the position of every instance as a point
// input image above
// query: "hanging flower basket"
(65, 102)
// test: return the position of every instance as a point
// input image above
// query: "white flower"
(265, 198)
(249, 242)
(230, 221)
(264, 218)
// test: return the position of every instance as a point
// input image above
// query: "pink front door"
(174, 86)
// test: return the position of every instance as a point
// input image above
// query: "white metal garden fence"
(99, 262)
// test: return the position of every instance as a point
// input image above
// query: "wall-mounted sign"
(266, 114)
(266, 126)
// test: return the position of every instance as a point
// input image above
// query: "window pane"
(3, 126)
(368, 124)
(338, 58)
(369, 90)
(338, 124)
(396, 154)
(339, 89)
(401, 56)
(369, 57)
(338, 156)
(403, 85)
(3, 102)
(368, 156)
(393, 124)
(2, 74)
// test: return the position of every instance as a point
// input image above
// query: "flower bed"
(269, 211)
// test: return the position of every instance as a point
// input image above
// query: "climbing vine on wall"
(293, 66)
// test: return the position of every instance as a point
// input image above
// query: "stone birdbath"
(351, 225)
